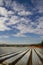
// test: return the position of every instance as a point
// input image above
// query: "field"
(21, 56)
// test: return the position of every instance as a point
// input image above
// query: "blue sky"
(21, 21)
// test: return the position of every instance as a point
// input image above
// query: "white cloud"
(29, 29)
(24, 13)
(18, 35)
(7, 3)
(39, 29)
(13, 20)
(20, 8)
(40, 22)
(24, 24)
(10, 12)
(17, 6)
(2, 25)
(3, 11)
(22, 27)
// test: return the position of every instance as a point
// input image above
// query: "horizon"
(1, 43)
(21, 21)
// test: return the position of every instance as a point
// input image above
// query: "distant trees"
(42, 43)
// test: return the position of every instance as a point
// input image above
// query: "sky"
(21, 21)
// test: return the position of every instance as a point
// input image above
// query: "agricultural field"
(21, 56)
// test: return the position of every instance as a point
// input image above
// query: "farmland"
(21, 55)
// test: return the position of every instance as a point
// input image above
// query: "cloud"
(39, 29)
(6, 13)
(4, 36)
(24, 13)
(3, 11)
(29, 27)
(17, 6)
(10, 12)
(1, 3)
(20, 8)
(13, 20)
(2, 25)
(7, 3)
(17, 16)
(38, 4)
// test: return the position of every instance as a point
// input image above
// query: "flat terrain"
(21, 55)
